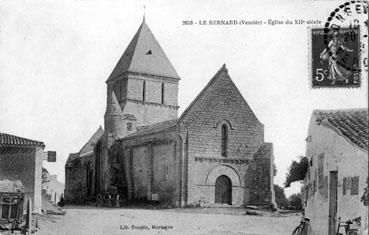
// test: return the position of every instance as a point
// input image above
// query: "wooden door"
(223, 190)
(333, 183)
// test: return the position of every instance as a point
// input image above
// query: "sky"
(55, 57)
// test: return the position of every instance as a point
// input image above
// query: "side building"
(337, 151)
(21, 159)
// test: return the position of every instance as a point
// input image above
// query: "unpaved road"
(90, 220)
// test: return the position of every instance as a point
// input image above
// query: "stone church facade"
(214, 153)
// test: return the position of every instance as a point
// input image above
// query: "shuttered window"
(355, 185)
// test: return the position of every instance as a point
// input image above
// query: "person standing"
(117, 201)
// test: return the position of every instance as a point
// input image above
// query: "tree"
(280, 197)
(45, 175)
(295, 201)
(297, 171)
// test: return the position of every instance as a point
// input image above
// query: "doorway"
(223, 190)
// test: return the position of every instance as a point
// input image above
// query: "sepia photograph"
(184, 117)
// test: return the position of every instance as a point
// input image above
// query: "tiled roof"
(144, 55)
(12, 140)
(130, 117)
(89, 146)
(351, 123)
(156, 127)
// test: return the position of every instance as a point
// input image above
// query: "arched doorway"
(223, 190)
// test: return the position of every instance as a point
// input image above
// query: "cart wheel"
(29, 217)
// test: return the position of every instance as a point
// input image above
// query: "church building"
(212, 154)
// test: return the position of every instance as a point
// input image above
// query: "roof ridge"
(223, 69)
(98, 132)
(340, 110)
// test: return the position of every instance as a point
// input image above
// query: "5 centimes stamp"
(347, 63)
(336, 61)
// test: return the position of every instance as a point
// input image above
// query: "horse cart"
(15, 210)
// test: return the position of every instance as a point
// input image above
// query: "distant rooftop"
(71, 157)
(351, 123)
(89, 146)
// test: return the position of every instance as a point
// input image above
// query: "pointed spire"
(113, 107)
(144, 55)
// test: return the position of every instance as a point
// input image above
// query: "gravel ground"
(90, 220)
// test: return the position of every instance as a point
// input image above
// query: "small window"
(162, 93)
(129, 126)
(143, 90)
(166, 169)
(224, 140)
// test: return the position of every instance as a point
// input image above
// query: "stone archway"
(225, 186)
(223, 190)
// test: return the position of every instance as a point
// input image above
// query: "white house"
(337, 151)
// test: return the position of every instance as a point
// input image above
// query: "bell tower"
(144, 81)
(141, 90)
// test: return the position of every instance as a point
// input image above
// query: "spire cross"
(144, 7)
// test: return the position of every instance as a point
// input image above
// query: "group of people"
(111, 199)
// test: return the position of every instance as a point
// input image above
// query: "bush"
(295, 201)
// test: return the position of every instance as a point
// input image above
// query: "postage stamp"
(335, 57)
(339, 52)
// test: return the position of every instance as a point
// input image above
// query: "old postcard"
(184, 117)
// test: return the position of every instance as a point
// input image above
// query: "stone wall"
(149, 113)
(260, 177)
(140, 172)
(151, 166)
(80, 179)
(73, 181)
(151, 109)
(163, 171)
(153, 87)
(220, 103)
